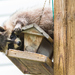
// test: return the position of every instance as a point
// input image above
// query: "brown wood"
(44, 33)
(38, 29)
(64, 37)
(27, 55)
(59, 37)
(32, 42)
(33, 63)
(19, 64)
(37, 40)
(45, 48)
(71, 37)
(32, 31)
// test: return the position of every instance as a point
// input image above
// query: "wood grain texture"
(27, 55)
(45, 48)
(59, 37)
(64, 37)
(32, 31)
(31, 62)
(44, 33)
(19, 64)
(70, 37)
(32, 42)
(39, 31)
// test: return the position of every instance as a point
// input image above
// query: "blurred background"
(7, 8)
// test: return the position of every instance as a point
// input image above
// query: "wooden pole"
(64, 37)
(70, 37)
(59, 37)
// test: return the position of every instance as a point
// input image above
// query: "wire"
(42, 11)
(53, 9)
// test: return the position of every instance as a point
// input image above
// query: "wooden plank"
(34, 67)
(32, 31)
(40, 30)
(71, 37)
(44, 33)
(27, 27)
(33, 62)
(45, 48)
(32, 42)
(47, 68)
(60, 37)
(19, 65)
(27, 55)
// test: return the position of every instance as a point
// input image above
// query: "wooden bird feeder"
(37, 50)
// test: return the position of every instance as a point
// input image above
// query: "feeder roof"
(36, 30)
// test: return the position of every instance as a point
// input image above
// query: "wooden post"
(70, 37)
(59, 37)
(64, 37)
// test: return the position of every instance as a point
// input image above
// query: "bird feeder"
(35, 59)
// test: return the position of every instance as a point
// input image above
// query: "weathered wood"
(40, 30)
(27, 27)
(33, 62)
(59, 37)
(19, 64)
(28, 61)
(64, 34)
(44, 33)
(32, 31)
(70, 37)
(27, 55)
(45, 48)
(32, 42)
